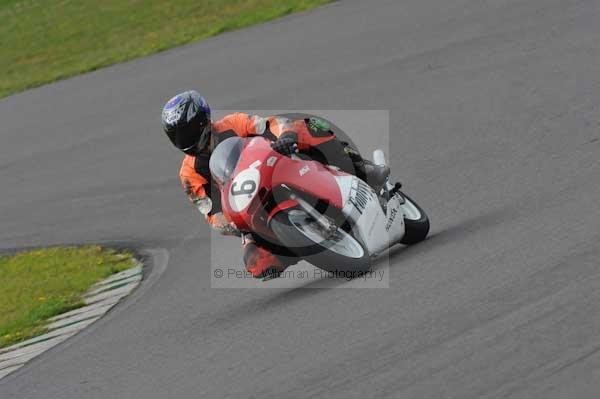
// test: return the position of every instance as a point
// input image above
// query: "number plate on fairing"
(243, 189)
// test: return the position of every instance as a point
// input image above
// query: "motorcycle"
(312, 211)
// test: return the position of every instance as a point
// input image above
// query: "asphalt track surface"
(496, 131)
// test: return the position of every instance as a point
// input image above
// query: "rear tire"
(319, 254)
(416, 222)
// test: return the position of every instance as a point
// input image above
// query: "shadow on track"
(452, 234)
(278, 298)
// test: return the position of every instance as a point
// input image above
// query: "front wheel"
(301, 234)
(416, 222)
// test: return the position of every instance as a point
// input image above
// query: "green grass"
(36, 285)
(45, 40)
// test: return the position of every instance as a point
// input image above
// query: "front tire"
(295, 230)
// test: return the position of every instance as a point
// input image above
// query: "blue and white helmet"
(186, 121)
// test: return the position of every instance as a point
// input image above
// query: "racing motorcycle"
(312, 211)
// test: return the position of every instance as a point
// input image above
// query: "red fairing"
(310, 177)
(259, 162)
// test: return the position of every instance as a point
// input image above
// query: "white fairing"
(243, 189)
(377, 230)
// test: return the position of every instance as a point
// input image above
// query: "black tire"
(319, 254)
(416, 230)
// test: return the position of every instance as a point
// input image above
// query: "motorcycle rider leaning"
(186, 119)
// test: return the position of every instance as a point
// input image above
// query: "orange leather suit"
(195, 174)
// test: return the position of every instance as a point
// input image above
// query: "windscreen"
(224, 159)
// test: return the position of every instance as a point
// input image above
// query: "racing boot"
(261, 262)
(377, 175)
(374, 175)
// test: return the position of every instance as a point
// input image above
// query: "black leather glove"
(286, 145)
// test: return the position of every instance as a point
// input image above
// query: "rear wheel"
(303, 236)
(416, 222)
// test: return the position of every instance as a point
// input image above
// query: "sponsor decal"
(172, 115)
(305, 169)
(315, 124)
(271, 161)
(255, 164)
(360, 196)
(393, 214)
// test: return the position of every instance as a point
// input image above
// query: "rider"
(187, 122)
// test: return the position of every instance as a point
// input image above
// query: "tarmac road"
(494, 114)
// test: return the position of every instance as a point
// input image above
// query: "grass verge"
(37, 285)
(42, 41)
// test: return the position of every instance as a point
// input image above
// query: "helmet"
(186, 120)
